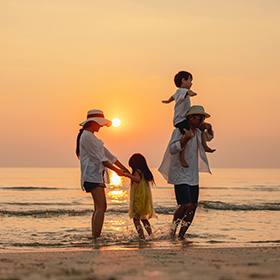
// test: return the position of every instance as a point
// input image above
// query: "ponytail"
(78, 143)
(86, 125)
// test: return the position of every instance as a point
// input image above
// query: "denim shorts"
(90, 186)
(186, 193)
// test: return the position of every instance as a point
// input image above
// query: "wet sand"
(187, 263)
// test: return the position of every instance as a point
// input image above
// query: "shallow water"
(45, 208)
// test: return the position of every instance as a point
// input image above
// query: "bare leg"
(92, 219)
(178, 216)
(187, 220)
(204, 144)
(182, 157)
(147, 226)
(188, 134)
(100, 205)
(139, 228)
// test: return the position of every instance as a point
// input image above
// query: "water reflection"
(118, 195)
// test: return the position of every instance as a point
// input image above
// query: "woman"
(94, 161)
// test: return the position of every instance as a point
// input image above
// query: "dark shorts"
(90, 186)
(186, 193)
(183, 125)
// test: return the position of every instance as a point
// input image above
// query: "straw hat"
(197, 110)
(97, 116)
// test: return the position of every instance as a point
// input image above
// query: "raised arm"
(207, 127)
(190, 93)
(168, 101)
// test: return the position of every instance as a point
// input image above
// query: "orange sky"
(60, 59)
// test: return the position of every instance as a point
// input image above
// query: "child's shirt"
(182, 105)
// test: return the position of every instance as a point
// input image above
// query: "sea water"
(46, 208)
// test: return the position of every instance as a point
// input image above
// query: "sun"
(115, 180)
(116, 122)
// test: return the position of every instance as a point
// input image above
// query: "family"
(184, 157)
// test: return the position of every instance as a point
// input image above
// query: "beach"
(185, 263)
(45, 229)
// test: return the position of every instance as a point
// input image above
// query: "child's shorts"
(183, 125)
(186, 194)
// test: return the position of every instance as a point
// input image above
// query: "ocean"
(46, 208)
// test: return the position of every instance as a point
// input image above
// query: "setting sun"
(115, 180)
(116, 122)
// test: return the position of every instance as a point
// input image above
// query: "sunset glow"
(121, 57)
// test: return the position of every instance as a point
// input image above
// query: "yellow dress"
(141, 202)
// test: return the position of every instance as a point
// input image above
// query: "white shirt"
(92, 154)
(182, 105)
(195, 156)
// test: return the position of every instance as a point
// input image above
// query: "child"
(183, 80)
(141, 203)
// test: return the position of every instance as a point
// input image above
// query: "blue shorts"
(186, 194)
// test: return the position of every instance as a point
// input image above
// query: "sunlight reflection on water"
(47, 208)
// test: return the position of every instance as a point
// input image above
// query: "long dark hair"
(137, 161)
(86, 125)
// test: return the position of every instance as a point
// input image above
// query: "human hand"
(186, 137)
(191, 93)
(165, 101)
(205, 125)
(188, 134)
(125, 170)
(126, 174)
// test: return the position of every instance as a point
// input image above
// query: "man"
(186, 179)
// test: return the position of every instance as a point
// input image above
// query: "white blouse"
(92, 154)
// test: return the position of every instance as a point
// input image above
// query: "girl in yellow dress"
(141, 202)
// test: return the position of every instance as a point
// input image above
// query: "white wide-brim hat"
(197, 110)
(96, 116)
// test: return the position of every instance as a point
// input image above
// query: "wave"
(46, 212)
(30, 188)
(218, 205)
(74, 212)
(265, 241)
(211, 205)
(129, 239)
(41, 203)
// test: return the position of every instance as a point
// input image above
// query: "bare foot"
(173, 229)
